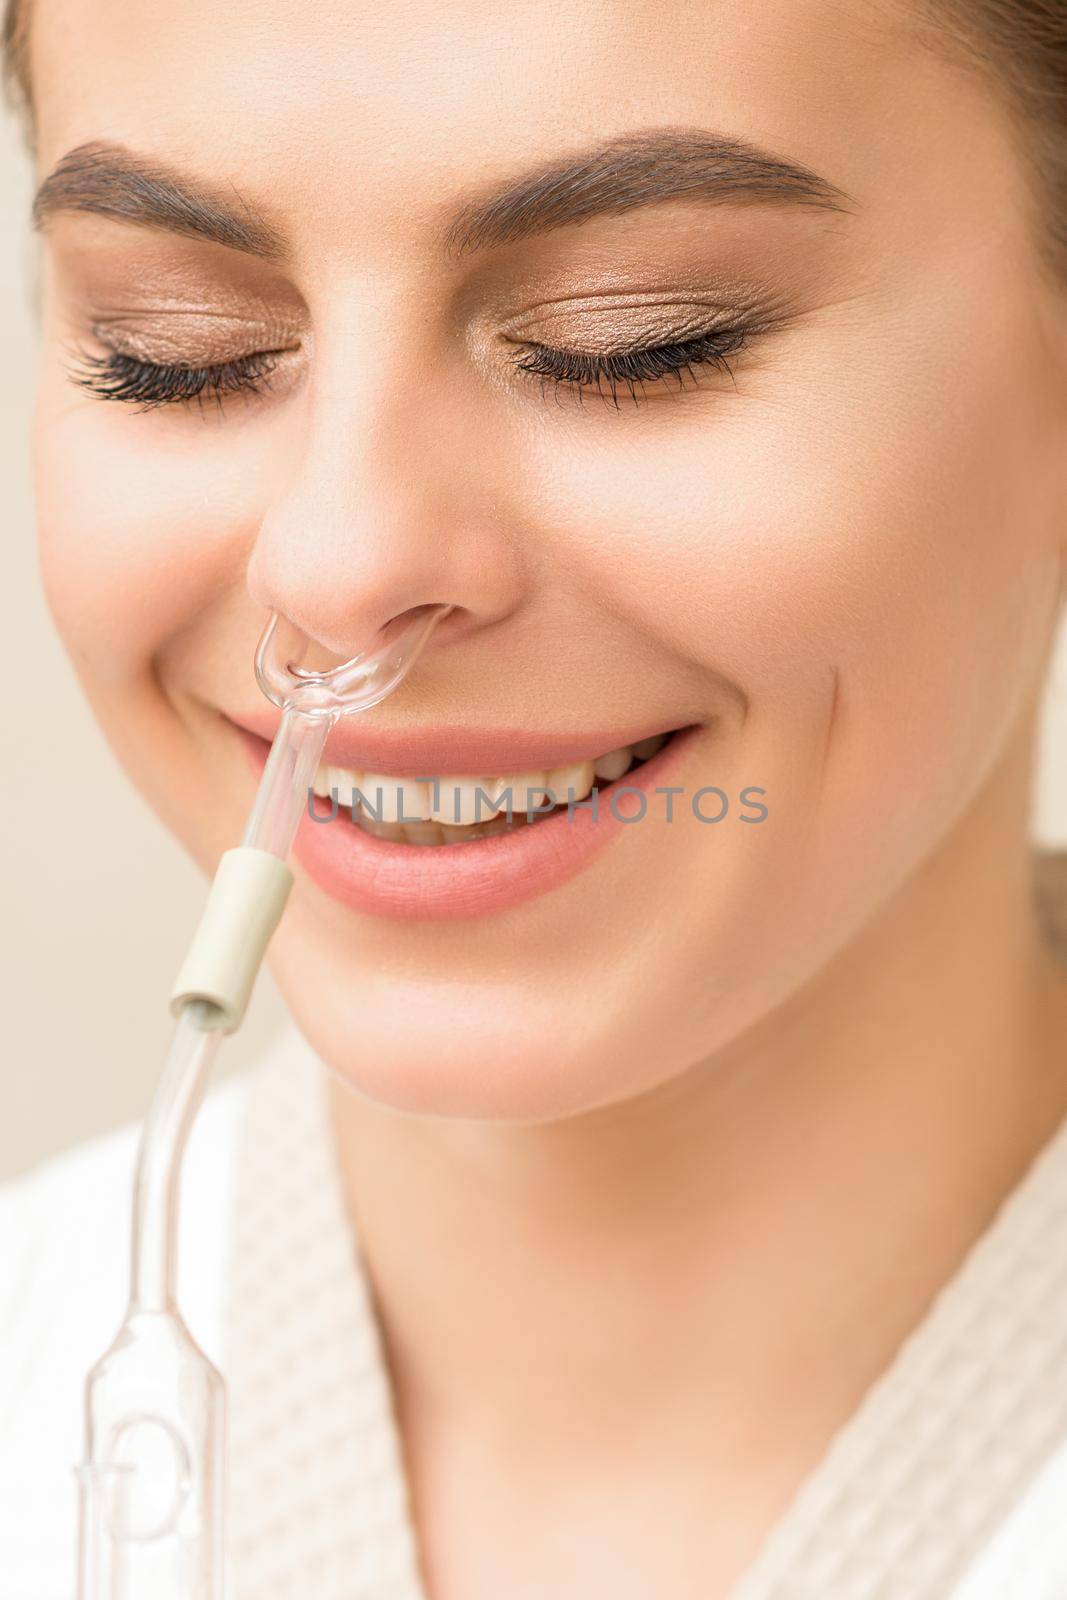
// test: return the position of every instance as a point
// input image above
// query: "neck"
(754, 1238)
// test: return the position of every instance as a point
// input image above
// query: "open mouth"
(460, 809)
(560, 817)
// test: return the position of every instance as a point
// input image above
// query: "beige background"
(98, 900)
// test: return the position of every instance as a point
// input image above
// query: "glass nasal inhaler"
(152, 1482)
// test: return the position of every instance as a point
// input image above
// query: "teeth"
(382, 830)
(497, 790)
(396, 799)
(328, 778)
(423, 833)
(461, 802)
(465, 805)
(571, 783)
(613, 765)
(526, 789)
(458, 835)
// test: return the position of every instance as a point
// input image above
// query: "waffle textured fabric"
(949, 1482)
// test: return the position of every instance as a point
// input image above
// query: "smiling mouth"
(452, 810)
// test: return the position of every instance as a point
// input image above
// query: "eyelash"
(634, 368)
(147, 384)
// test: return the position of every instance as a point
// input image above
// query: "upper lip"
(451, 750)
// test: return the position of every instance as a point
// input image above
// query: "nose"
(386, 505)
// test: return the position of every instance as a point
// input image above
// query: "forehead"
(328, 113)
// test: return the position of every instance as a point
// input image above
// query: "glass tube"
(152, 1481)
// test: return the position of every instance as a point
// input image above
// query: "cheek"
(874, 568)
(142, 528)
(140, 524)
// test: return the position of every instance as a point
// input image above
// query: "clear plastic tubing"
(152, 1481)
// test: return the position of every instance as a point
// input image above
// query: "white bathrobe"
(948, 1483)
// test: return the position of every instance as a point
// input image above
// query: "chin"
(491, 1050)
(493, 1069)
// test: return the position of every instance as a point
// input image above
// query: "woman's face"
(430, 236)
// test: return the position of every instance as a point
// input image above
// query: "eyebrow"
(621, 174)
(638, 169)
(111, 181)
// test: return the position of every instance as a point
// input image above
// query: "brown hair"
(1020, 46)
(16, 48)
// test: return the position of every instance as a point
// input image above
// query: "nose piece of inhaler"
(152, 1481)
(252, 881)
(355, 685)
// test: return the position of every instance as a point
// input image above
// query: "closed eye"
(634, 368)
(148, 384)
(131, 380)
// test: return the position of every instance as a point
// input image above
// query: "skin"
(660, 1114)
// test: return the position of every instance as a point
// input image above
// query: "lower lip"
(460, 881)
